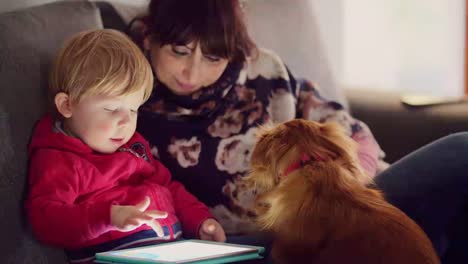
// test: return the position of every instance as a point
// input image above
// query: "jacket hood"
(47, 136)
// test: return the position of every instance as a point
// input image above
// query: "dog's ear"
(328, 140)
(261, 176)
(307, 137)
(260, 179)
(264, 140)
(273, 142)
(346, 148)
(336, 135)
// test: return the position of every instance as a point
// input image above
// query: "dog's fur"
(324, 211)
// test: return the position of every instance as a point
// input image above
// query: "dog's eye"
(251, 214)
(263, 204)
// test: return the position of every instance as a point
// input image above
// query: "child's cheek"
(105, 127)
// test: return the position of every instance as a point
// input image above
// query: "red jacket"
(71, 189)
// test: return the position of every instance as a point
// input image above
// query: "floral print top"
(206, 139)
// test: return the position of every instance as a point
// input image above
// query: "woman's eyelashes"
(180, 50)
(212, 58)
(186, 51)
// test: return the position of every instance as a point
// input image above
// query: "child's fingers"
(155, 214)
(131, 224)
(209, 228)
(156, 227)
(145, 217)
(149, 220)
(219, 236)
(143, 205)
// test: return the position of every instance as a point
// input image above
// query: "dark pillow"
(29, 40)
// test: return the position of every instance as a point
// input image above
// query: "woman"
(213, 89)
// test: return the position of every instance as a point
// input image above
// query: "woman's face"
(184, 69)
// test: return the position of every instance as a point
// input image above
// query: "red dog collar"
(304, 158)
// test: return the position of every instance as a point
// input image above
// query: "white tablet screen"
(182, 251)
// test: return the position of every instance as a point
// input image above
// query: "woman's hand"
(128, 217)
(212, 230)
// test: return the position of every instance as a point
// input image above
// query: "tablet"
(186, 251)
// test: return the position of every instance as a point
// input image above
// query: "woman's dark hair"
(218, 25)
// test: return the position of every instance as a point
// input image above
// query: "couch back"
(29, 40)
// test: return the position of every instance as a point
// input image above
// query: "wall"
(405, 46)
(330, 21)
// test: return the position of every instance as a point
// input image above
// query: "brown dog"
(314, 197)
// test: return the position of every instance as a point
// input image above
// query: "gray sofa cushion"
(29, 40)
(400, 129)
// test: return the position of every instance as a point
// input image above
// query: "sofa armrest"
(400, 129)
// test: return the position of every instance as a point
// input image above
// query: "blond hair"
(100, 62)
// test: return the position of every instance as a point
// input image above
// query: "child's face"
(103, 122)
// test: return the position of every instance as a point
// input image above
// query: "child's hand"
(212, 230)
(129, 217)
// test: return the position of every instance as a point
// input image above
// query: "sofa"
(30, 37)
(29, 40)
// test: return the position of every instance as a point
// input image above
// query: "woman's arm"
(312, 106)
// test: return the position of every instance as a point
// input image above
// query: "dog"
(320, 205)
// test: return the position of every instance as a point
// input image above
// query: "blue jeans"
(431, 186)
